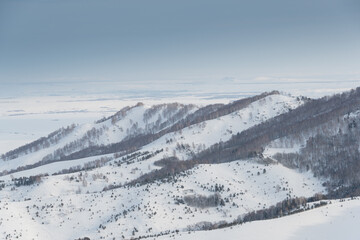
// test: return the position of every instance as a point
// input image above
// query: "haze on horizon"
(172, 41)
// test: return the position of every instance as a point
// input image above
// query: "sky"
(58, 41)
(92, 56)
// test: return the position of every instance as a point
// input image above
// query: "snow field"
(152, 208)
(338, 220)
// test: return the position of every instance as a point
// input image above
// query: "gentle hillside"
(133, 127)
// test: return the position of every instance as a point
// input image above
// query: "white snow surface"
(73, 205)
(338, 220)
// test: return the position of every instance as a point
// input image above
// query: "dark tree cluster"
(334, 157)
(286, 207)
(201, 201)
(27, 181)
(137, 157)
(171, 168)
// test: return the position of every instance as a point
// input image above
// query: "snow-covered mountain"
(166, 170)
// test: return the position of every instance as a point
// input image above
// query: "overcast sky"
(147, 40)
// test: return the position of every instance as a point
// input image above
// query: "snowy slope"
(338, 220)
(64, 201)
(142, 119)
(201, 136)
(130, 121)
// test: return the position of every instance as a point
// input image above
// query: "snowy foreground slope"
(166, 170)
(55, 209)
(338, 220)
